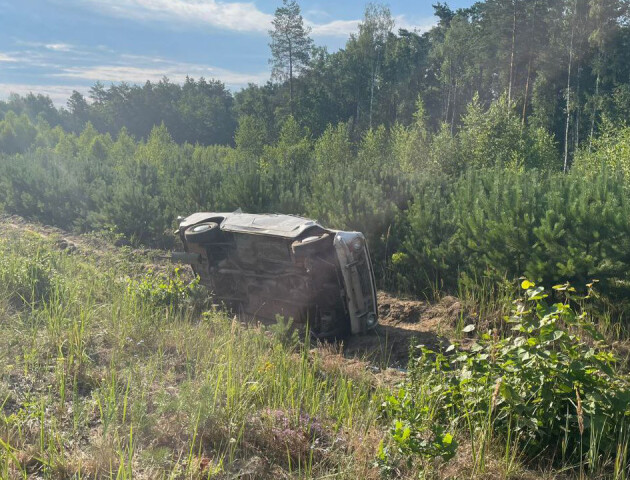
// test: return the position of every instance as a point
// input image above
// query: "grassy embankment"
(100, 377)
(108, 370)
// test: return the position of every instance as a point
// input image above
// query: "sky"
(57, 46)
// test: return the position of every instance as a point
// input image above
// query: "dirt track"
(402, 322)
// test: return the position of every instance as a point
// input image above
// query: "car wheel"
(203, 233)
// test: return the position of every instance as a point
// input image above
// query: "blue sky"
(56, 46)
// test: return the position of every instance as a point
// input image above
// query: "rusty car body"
(264, 265)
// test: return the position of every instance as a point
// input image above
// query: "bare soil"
(403, 323)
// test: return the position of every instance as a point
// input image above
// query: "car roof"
(287, 226)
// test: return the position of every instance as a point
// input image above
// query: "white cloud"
(237, 16)
(336, 28)
(343, 28)
(7, 58)
(58, 93)
(59, 47)
(420, 25)
(175, 72)
(53, 46)
(133, 69)
(138, 69)
(152, 69)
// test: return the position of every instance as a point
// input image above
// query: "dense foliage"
(549, 389)
(482, 202)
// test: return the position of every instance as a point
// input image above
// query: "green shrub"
(502, 223)
(27, 279)
(284, 331)
(551, 387)
(481, 201)
(611, 149)
(163, 289)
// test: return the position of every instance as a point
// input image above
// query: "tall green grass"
(110, 370)
(97, 380)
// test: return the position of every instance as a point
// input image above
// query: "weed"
(161, 289)
(113, 377)
(550, 390)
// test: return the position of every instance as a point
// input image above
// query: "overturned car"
(267, 265)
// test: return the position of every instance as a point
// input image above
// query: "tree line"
(489, 201)
(564, 65)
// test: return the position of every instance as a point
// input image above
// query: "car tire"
(206, 232)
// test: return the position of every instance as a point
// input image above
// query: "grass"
(486, 301)
(110, 370)
(98, 382)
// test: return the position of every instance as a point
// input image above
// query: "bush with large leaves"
(551, 386)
